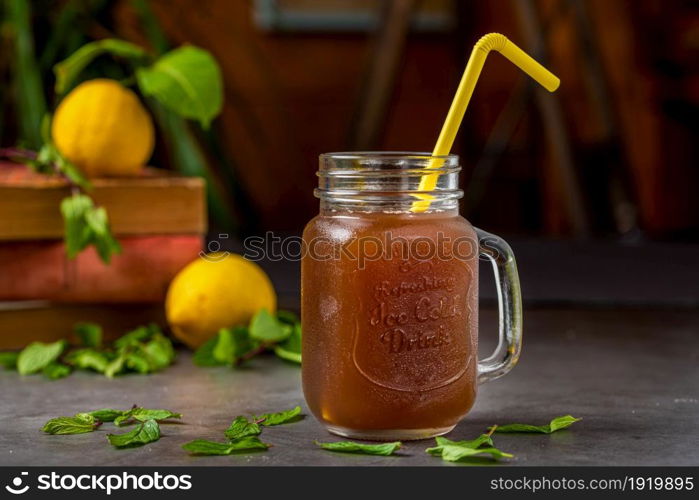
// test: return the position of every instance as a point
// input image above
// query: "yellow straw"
(491, 41)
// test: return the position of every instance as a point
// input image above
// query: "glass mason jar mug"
(389, 299)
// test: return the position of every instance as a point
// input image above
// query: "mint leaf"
(453, 451)
(68, 70)
(79, 424)
(231, 344)
(288, 317)
(204, 355)
(266, 328)
(290, 349)
(556, 424)
(37, 355)
(144, 414)
(8, 359)
(115, 366)
(204, 447)
(187, 81)
(482, 440)
(90, 334)
(282, 417)
(366, 449)
(135, 336)
(106, 414)
(98, 224)
(77, 234)
(159, 352)
(143, 433)
(55, 371)
(241, 427)
(88, 359)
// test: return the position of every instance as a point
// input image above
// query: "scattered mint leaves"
(241, 427)
(8, 359)
(142, 350)
(204, 447)
(144, 433)
(282, 417)
(384, 449)
(482, 440)
(266, 328)
(556, 424)
(90, 334)
(78, 424)
(38, 355)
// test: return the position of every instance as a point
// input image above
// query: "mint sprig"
(236, 345)
(282, 417)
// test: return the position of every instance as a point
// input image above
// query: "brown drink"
(392, 345)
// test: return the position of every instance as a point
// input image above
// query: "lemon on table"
(213, 292)
(103, 129)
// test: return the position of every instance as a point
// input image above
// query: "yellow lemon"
(103, 129)
(216, 291)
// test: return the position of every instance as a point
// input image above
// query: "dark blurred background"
(612, 156)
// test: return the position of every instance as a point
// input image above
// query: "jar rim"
(387, 155)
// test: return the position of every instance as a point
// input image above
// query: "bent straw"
(491, 41)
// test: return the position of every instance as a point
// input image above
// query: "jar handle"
(507, 352)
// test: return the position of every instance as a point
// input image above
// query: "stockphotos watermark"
(361, 249)
(107, 483)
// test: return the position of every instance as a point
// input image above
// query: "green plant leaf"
(106, 414)
(115, 366)
(8, 360)
(187, 81)
(290, 349)
(90, 334)
(37, 355)
(556, 424)
(86, 225)
(204, 355)
(362, 448)
(483, 440)
(241, 427)
(135, 336)
(79, 424)
(88, 359)
(288, 317)
(159, 352)
(204, 447)
(67, 70)
(139, 414)
(266, 328)
(55, 371)
(453, 451)
(282, 417)
(143, 433)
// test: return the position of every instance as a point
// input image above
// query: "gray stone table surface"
(633, 375)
